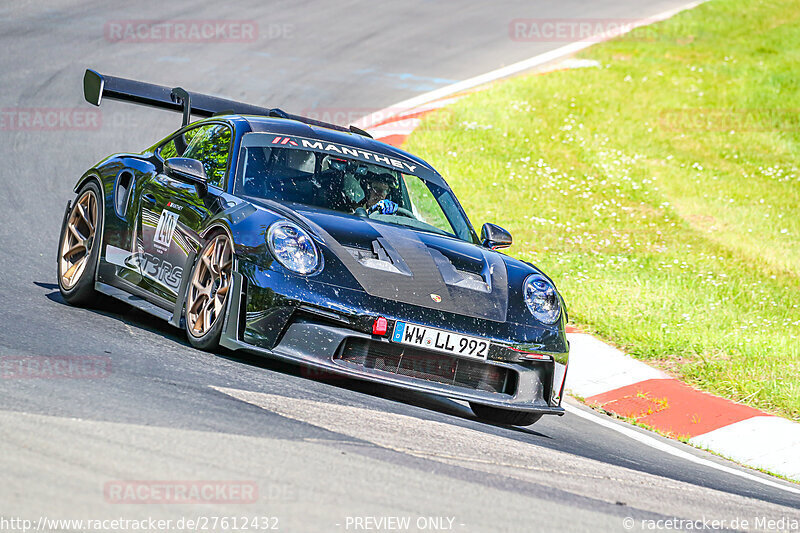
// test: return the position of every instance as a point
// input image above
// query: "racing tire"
(207, 293)
(508, 417)
(79, 247)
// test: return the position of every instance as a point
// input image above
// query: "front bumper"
(313, 338)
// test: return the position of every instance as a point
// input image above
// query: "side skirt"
(135, 301)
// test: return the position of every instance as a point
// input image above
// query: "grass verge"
(659, 190)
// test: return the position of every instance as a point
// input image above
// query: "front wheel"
(79, 248)
(207, 293)
(508, 417)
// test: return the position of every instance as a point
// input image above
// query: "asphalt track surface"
(322, 453)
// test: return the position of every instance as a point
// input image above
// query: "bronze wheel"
(78, 239)
(208, 289)
(79, 248)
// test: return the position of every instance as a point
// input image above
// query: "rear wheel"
(207, 294)
(496, 415)
(79, 247)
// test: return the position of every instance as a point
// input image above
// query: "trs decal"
(150, 266)
(156, 268)
(166, 226)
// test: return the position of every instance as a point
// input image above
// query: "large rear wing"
(96, 86)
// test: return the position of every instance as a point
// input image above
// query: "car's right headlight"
(293, 247)
(542, 299)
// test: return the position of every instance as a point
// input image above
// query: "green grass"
(660, 191)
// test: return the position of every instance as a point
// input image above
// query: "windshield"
(349, 186)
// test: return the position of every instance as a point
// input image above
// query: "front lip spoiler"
(303, 340)
(484, 398)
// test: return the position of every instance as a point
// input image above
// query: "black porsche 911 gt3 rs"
(280, 235)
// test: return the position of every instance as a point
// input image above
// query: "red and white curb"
(605, 376)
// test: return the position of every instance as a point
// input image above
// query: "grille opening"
(429, 366)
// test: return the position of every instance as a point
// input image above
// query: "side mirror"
(495, 237)
(189, 170)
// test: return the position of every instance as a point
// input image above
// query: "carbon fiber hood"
(416, 267)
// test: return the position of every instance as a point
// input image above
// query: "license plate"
(440, 340)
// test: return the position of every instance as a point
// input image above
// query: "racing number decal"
(166, 226)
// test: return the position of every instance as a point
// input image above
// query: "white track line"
(672, 450)
(504, 72)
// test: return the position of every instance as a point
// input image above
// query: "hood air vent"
(381, 257)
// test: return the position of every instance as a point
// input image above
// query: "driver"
(376, 189)
(330, 191)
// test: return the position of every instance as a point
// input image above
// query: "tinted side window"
(452, 213)
(176, 146)
(169, 150)
(211, 146)
(189, 134)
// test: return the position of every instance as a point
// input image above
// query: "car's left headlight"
(293, 247)
(541, 298)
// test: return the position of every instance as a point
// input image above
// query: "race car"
(279, 235)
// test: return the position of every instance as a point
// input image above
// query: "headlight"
(293, 247)
(541, 298)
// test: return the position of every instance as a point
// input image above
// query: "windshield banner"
(316, 145)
